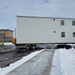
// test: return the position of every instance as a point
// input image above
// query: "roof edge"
(44, 17)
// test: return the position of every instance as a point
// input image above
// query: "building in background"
(6, 35)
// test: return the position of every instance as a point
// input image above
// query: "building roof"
(6, 30)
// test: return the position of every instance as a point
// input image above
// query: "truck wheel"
(33, 47)
(27, 47)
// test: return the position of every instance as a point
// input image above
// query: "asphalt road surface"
(38, 65)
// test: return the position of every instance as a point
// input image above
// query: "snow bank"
(4, 71)
(55, 70)
(67, 62)
(63, 62)
(8, 43)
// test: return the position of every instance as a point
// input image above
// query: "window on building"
(62, 22)
(54, 31)
(73, 23)
(73, 34)
(62, 34)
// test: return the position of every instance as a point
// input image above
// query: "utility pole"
(15, 32)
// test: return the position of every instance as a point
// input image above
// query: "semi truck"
(32, 30)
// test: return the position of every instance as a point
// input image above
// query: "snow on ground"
(4, 71)
(63, 62)
(8, 43)
(55, 70)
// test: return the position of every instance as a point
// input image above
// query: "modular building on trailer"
(33, 30)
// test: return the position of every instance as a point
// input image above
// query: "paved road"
(38, 65)
(8, 52)
(6, 56)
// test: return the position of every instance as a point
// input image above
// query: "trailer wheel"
(33, 47)
(27, 47)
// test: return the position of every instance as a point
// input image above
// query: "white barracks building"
(45, 30)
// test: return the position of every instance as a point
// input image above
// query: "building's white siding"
(41, 30)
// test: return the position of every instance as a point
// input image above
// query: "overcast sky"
(49, 8)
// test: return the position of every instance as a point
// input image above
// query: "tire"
(27, 47)
(33, 47)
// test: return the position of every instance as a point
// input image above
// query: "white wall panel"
(41, 30)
